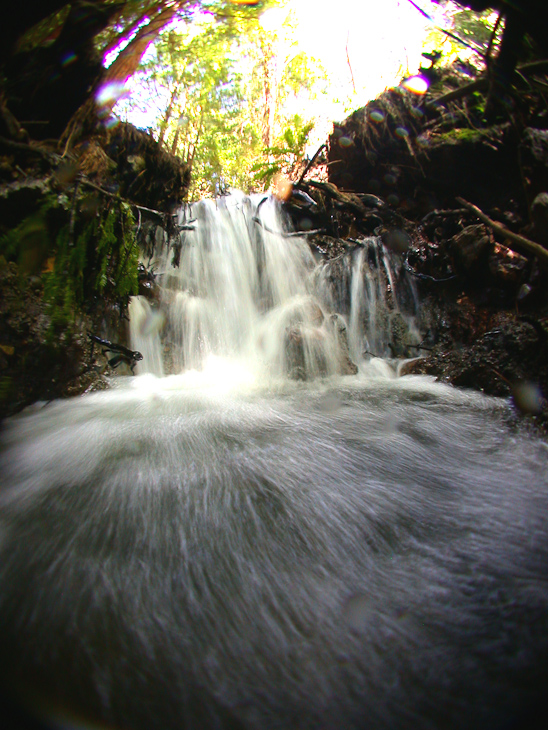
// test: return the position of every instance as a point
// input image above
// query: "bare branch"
(520, 241)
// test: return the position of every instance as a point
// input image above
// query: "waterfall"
(247, 536)
(245, 289)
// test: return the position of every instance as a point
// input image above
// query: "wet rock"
(539, 218)
(148, 286)
(533, 160)
(506, 266)
(512, 351)
(398, 335)
(470, 248)
(346, 365)
(304, 351)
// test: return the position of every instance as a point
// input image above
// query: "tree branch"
(521, 242)
(89, 184)
(526, 70)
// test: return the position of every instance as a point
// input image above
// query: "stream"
(266, 528)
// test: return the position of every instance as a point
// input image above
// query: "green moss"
(80, 257)
(6, 385)
(29, 243)
(464, 134)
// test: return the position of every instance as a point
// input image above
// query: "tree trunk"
(129, 58)
(268, 95)
(167, 114)
(150, 8)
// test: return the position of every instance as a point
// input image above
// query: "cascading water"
(231, 546)
(246, 291)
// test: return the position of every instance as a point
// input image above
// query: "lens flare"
(68, 59)
(416, 84)
(282, 187)
(110, 93)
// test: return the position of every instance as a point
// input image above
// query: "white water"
(246, 292)
(226, 547)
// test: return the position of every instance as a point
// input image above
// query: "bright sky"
(364, 45)
(381, 38)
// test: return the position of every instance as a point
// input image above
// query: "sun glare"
(364, 46)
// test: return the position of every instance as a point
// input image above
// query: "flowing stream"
(266, 528)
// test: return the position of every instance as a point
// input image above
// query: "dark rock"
(470, 248)
(511, 352)
(533, 160)
(145, 172)
(395, 155)
(539, 218)
(346, 366)
(507, 266)
(38, 360)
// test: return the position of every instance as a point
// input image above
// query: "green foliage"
(474, 28)
(6, 387)
(100, 259)
(43, 32)
(79, 257)
(29, 242)
(222, 88)
(463, 134)
(126, 282)
(286, 153)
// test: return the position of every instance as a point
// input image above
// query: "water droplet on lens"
(66, 173)
(528, 397)
(397, 240)
(68, 59)
(153, 323)
(110, 93)
(282, 187)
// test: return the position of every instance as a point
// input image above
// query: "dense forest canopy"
(235, 99)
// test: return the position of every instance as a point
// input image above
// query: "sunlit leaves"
(225, 94)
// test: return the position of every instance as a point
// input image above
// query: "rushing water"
(246, 291)
(230, 547)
